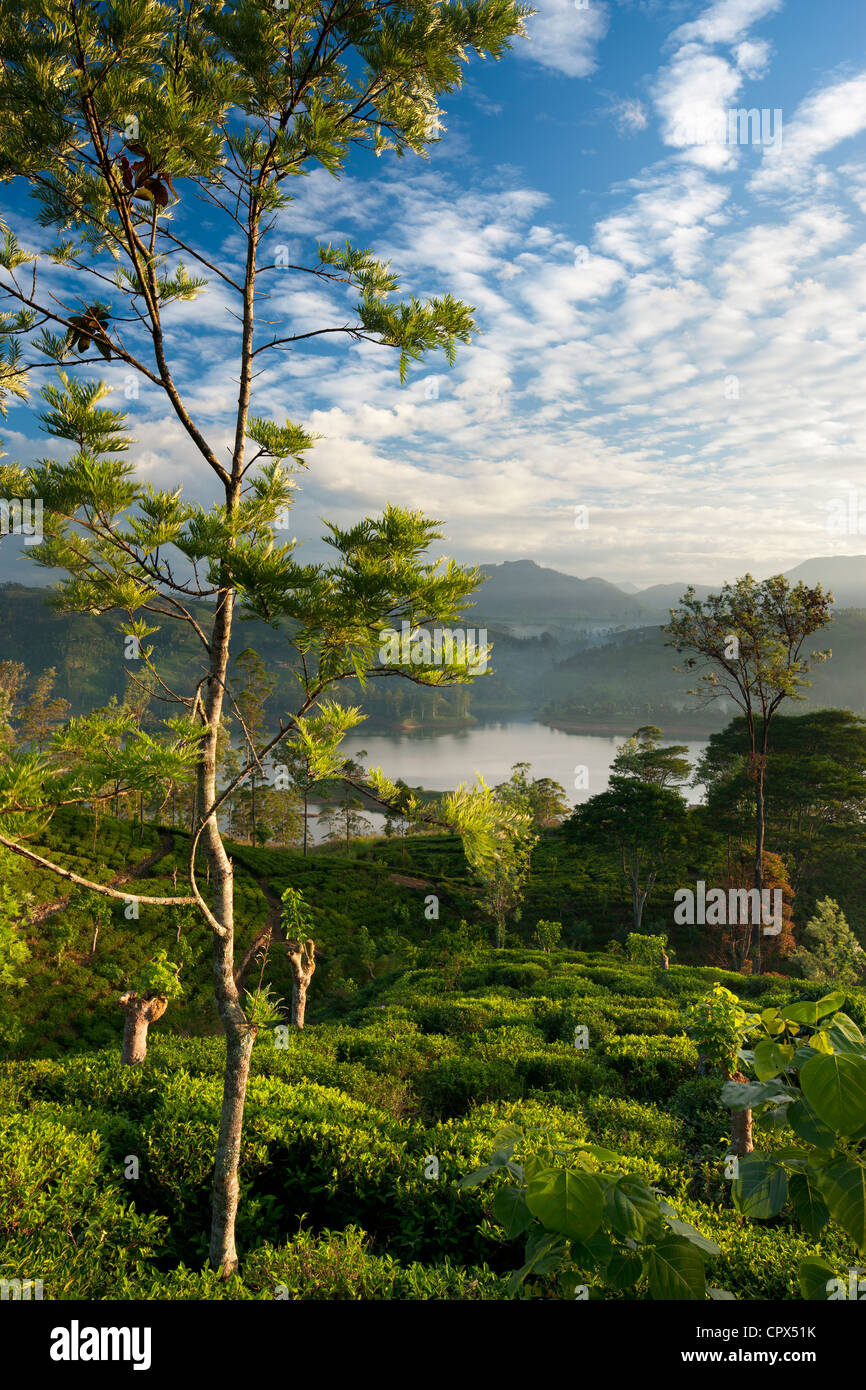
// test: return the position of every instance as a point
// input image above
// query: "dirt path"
(43, 911)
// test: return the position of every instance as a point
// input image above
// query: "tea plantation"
(358, 1129)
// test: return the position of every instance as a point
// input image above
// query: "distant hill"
(579, 649)
(520, 591)
(635, 672)
(843, 575)
(657, 601)
(523, 593)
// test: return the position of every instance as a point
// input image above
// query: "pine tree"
(833, 954)
(120, 118)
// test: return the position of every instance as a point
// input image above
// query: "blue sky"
(673, 325)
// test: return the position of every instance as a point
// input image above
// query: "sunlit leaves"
(835, 1087)
(76, 415)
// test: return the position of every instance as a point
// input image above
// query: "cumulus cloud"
(693, 96)
(821, 122)
(564, 37)
(726, 21)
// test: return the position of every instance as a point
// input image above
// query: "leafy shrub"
(63, 1217)
(653, 1066)
(450, 1087)
(336, 1265)
(644, 949)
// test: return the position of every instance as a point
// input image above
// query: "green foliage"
(583, 1220)
(833, 955)
(717, 1023)
(645, 949)
(641, 756)
(159, 977)
(14, 951)
(548, 934)
(63, 1216)
(341, 1119)
(810, 1067)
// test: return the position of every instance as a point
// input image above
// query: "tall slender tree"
(749, 640)
(125, 120)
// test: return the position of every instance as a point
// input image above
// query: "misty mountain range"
(522, 592)
(574, 652)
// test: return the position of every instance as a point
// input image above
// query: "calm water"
(441, 762)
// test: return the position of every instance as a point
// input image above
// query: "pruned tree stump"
(303, 962)
(140, 1014)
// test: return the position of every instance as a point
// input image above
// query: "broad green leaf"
(567, 1202)
(690, 1232)
(624, 1270)
(473, 1179)
(606, 1155)
(769, 1060)
(505, 1139)
(761, 1188)
(806, 1125)
(814, 1276)
(675, 1269)
(830, 1003)
(835, 1087)
(511, 1211)
(843, 1187)
(545, 1251)
(806, 1012)
(739, 1095)
(632, 1209)
(595, 1251)
(809, 1206)
(846, 1036)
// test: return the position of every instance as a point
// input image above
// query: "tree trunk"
(303, 962)
(226, 1186)
(306, 799)
(140, 1013)
(757, 927)
(93, 942)
(239, 1034)
(741, 1123)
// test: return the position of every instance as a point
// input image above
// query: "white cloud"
(629, 115)
(693, 96)
(752, 57)
(726, 21)
(565, 38)
(822, 121)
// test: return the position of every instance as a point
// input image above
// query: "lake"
(441, 761)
